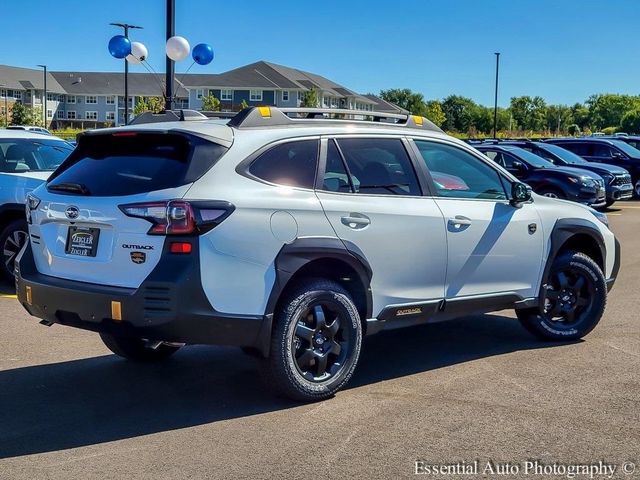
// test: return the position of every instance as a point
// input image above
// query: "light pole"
(495, 103)
(170, 65)
(126, 27)
(44, 96)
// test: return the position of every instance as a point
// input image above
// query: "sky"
(563, 50)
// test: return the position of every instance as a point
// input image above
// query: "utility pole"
(126, 27)
(6, 105)
(44, 96)
(170, 66)
(495, 104)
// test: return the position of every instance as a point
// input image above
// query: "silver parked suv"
(293, 233)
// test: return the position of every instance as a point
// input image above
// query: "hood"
(576, 172)
(604, 168)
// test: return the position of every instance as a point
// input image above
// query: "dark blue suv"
(617, 180)
(605, 150)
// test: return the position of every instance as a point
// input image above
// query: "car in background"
(547, 179)
(29, 129)
(26, 161)
(616, 179)
(633, 140)
(605, 150)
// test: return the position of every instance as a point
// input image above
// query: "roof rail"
(273, 116)
(167, 116)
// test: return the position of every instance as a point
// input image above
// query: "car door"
(372, 197)
(494, 248)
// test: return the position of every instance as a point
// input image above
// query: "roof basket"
(272, 116)
(167, 116)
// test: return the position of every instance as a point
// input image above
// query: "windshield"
(626, 148)
(30, 154)
(569, 157)
(531, 158)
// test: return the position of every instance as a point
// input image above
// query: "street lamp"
(126, 27)
(44, 96)
(495, 104)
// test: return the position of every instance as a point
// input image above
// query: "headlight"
(583, 180)
(601, 216)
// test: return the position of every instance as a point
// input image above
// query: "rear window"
(27, 155)
(117, 165)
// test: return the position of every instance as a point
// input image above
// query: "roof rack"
(273, 116)
(167, 116)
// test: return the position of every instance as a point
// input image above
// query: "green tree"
(155, 104)
(140, 106)
(607, 110)
(210, 103)
(407, 99)
(243, 104)
(19, 114)
(310, 99)
(459, 112)
(580, 115)
(558, 118)
(433, 111)
(528, 112)
(630, 122)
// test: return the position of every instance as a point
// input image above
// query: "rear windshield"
(28, 155)
(130, 163)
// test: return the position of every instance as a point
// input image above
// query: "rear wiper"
(70, 187)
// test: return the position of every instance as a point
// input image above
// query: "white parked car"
(26, 161)
(294, 237)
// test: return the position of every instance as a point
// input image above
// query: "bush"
(573, 129)
(609, 130)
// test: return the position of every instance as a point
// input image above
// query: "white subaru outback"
(292, 234)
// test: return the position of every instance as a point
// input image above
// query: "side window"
(292, 163)
(336, 178)
(460, 174)
(508, 160)
(544, 154)
(581, 149)
(602, 151)
(379, 166)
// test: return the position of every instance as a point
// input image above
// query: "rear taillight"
(177, 217)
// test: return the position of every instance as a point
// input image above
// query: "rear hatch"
(80, 226)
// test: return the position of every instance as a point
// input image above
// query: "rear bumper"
(169, 305)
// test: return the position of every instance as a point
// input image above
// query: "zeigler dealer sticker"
(534, 468)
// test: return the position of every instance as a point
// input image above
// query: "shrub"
(630, 122)
(573, 129)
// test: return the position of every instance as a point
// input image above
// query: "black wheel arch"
(328, 257)
(10, 212)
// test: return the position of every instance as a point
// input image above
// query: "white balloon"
(139, 53)
(178, 48)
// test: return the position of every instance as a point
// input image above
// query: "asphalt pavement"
(474, 389)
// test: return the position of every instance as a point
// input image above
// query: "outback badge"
(138, 257)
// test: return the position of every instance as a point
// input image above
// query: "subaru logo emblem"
(72, 212)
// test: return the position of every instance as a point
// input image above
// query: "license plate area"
(82, 241)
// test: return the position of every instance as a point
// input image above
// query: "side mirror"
(516, 165)
(619, 155)
(520, 193)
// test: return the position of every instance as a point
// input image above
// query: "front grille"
(620, 180)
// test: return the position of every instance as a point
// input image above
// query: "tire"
(12, 238)
(136, 349)
(636, 189)
(312, 357)
(609, 203)
(573, 303)
(552, 193)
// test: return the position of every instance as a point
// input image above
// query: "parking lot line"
(8, 296)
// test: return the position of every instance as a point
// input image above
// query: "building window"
(3, 93)
(71, 115)
(199, 93)
(111, 116)
(17, 95)
(255, 95)
(111, 100)
(285, 95)
(91, 99)
(49, 113)
(91, 115)
(71, 99)
(226, 95)
(51, 97)
(60, 114)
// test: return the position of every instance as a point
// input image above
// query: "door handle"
(355, 220)
(459, 220)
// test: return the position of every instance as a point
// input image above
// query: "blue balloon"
(202, 54)
(119, 46)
